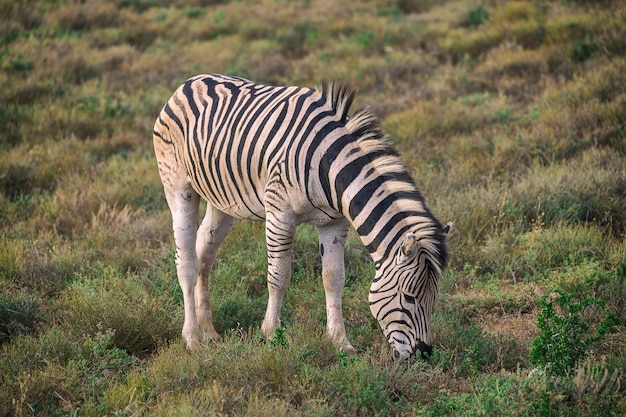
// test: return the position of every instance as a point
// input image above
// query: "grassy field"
(510, 114)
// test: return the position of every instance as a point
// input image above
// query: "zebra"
(287, 155)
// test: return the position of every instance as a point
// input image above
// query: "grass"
(510, 116)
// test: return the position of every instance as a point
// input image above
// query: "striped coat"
(288, 155)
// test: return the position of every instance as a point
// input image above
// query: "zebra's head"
(404, 291)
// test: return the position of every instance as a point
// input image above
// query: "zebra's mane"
(364, 126)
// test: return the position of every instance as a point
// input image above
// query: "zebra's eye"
(409, 298)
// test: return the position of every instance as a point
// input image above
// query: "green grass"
(510, 116)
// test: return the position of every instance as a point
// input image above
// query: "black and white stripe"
(288, 155)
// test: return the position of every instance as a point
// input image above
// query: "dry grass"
(510, 115)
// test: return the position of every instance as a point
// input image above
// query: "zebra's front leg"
(279, 232)
(332, 243)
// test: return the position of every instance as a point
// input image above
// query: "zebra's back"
(237, 141)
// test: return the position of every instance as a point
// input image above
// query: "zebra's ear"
(447, 227)
(408, 246)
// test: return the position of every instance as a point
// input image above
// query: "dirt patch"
(520, 327)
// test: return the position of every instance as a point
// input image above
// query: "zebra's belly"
(239, 212)
(239, 208)
(249, 211)
(307, 212)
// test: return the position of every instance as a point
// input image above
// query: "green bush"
(568, 330)
(476, 16)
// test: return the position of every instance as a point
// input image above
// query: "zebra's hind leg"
(332, 242)
(211, 234)
(183, 202)
(279, 232)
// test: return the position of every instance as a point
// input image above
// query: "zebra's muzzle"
(425, 352)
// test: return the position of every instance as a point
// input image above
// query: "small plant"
(219, 17)
(364, 39)
(584, 48)
(17, 316)
(476, 16)
(299, 39)
(279, 339)
(501, 116)
(394, 13)
(192, 12)
(21, 66)
(345, 358)
(568, 330)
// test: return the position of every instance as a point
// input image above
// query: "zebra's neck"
(383, 210)
(362, 177)
(382, 227)
(372, 188)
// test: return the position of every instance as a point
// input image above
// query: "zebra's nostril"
(425, 350)
(396, 354)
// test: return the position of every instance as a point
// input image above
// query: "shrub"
(606, 285)
(279, 339)
(12, 118)
(569, 329)
(415, 6)
(193, 12)
(300, 37)
(476, 16)
(598, 387)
